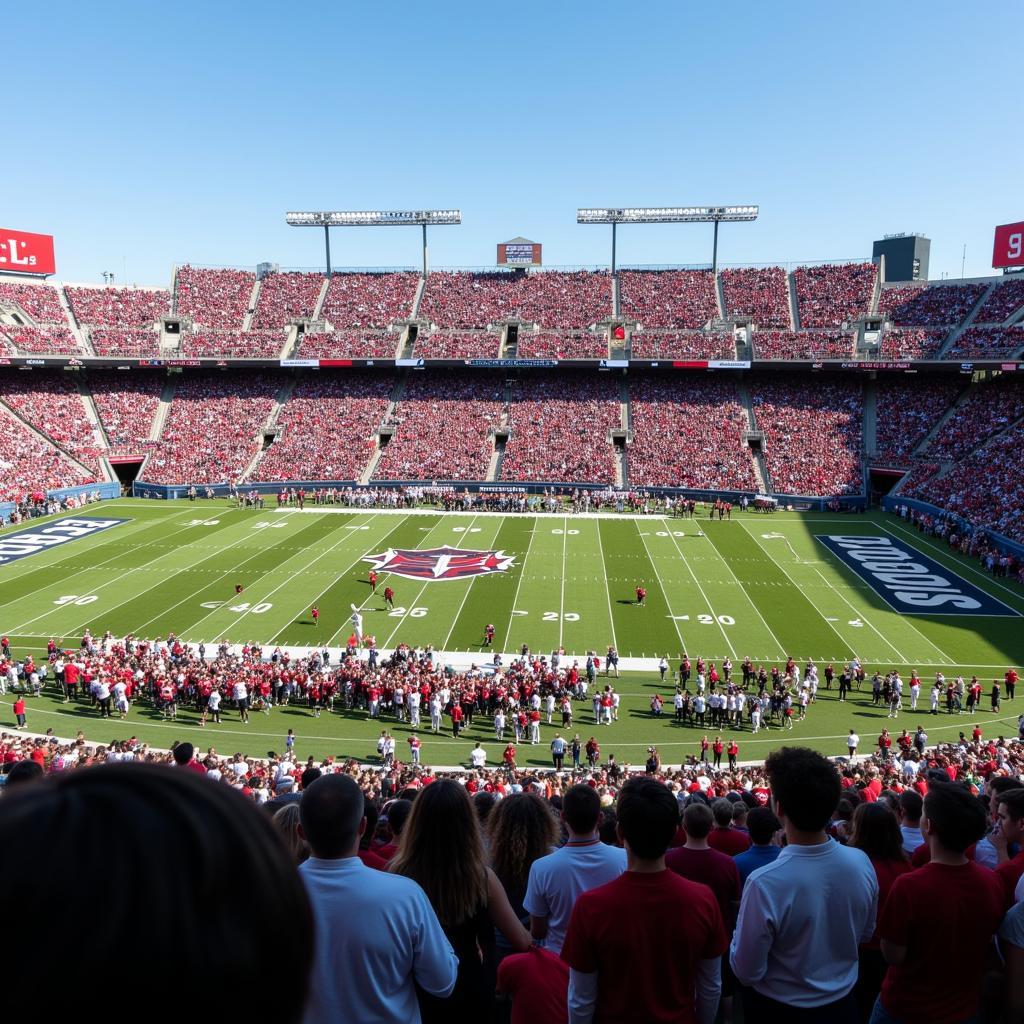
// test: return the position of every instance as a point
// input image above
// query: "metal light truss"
(372, 218)
(665, 214)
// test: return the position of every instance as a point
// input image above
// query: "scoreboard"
(1008, 250)
(520, 252)
(24, 252)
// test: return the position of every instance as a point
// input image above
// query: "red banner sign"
(26, 253)
(1008, 250)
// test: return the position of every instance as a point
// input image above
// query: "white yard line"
(519, 582)
(675, 622)
(607, 589)
(118, 579)
(747, 597)
(561, 597)
(841, 596)
(412, 605)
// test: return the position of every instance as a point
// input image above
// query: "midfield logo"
(445, 563)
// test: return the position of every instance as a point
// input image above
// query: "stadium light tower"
(667, 215)
(372, 219)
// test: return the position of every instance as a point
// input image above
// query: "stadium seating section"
(803, 345)
(932, 306)
(906, 413)
(234, 344)
(348, 344)
(458, 345)
(668, 298)
(118, 307)
(682, 345)
(368, 300)
(284, 297)
(127, 406)
(563, 345)
(832, 294)
(214, 298)
(760, 293)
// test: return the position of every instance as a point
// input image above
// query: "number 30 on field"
(75, 599)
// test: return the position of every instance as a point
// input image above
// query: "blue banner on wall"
(909, 581)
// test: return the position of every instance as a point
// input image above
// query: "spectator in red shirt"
(622, 969)
(723, 837)
(944, 913)
(538, 982)
(698, 862)
(19, 712)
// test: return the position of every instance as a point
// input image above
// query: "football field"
(767, 586)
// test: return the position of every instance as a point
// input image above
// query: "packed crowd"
(217, 299)
(987, 343)
(56, 341)
(682, 345)
(831, 294)
(284, 297)
(118, 307)
(40, 301)
(1006, 299)
(234, 344)
(348, 344)
(124, 342)
(808, 890)
(988, 409)
(906, 413)
(369, 300)
(689, 433)
(329, 427)
(940, 305)
(457, 345)
(30, 465)
(803, 345)
(761, 293)
(550, 298)
(912, 342)
(127, 405)
(812, 432)
(53, 405)
(211, 433)
(560, 438)
(668, 298)
(562, 345)
(443, 428)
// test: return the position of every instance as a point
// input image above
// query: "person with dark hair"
(910, 805)
(796, 944)
(723, 837)
(699, 862)
(184, 757)
(876, 831)
(442, 849)
(627, 952)
(224, 885)
(1010, 821)
(583, 863)
(23, 771)
(762, 826)
(394, 815)
(945, 912)
(377, 937)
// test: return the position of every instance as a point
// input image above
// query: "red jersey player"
(238, 588)
(489, 635)
(373, 580)
(389, 597)
(315, 612)
(641, 596)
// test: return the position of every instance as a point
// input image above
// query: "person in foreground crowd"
(796, 944)
(647, 946)
(442, 849)
(583, 863)
(762, 825)
(944, 913)
(161, 857)
(377, 937)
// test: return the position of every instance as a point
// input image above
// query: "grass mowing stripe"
(561, 590)
(469, 586)
(519, 580)
(212, 591)
(661, 585)
(493, 596)
(128, 571)
(587, 590)
(607, 589)
(541, 590)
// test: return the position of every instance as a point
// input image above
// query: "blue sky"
(145, 134)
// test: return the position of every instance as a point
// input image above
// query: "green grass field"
(757, 585)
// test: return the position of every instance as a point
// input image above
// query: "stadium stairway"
(81, 335)
(764, 481)
(954, 335)
(320, 299)
(794, 305)
(417, 298)
(953, 410)
(6, 409)
(270, 423)
(92, 414)
(869, 420)
(166, 397)
(251, 310)
(388, 417)
(290, 343)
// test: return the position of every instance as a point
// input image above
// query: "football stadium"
(473, 609)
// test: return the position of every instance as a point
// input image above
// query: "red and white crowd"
(457, 345)
(329, 426)
(832, 294)
(369, 300)
(216, 299)
(30, 465)
(234, 344)
(803, 345)
(987, 410)
(812, 432)
(348, 344)
(682, 345)
(443, 428)
(58, 341)
(118, 307)
(668, 298)
(941, 305)
(689, 433)
(761, 293)
(906, 413)
(562, 345)
(988, 343)
(107, 341)
(40, 301)
(1006, 299)
(284, 297)
(912, 342)
(127, 405)
(558, 435)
